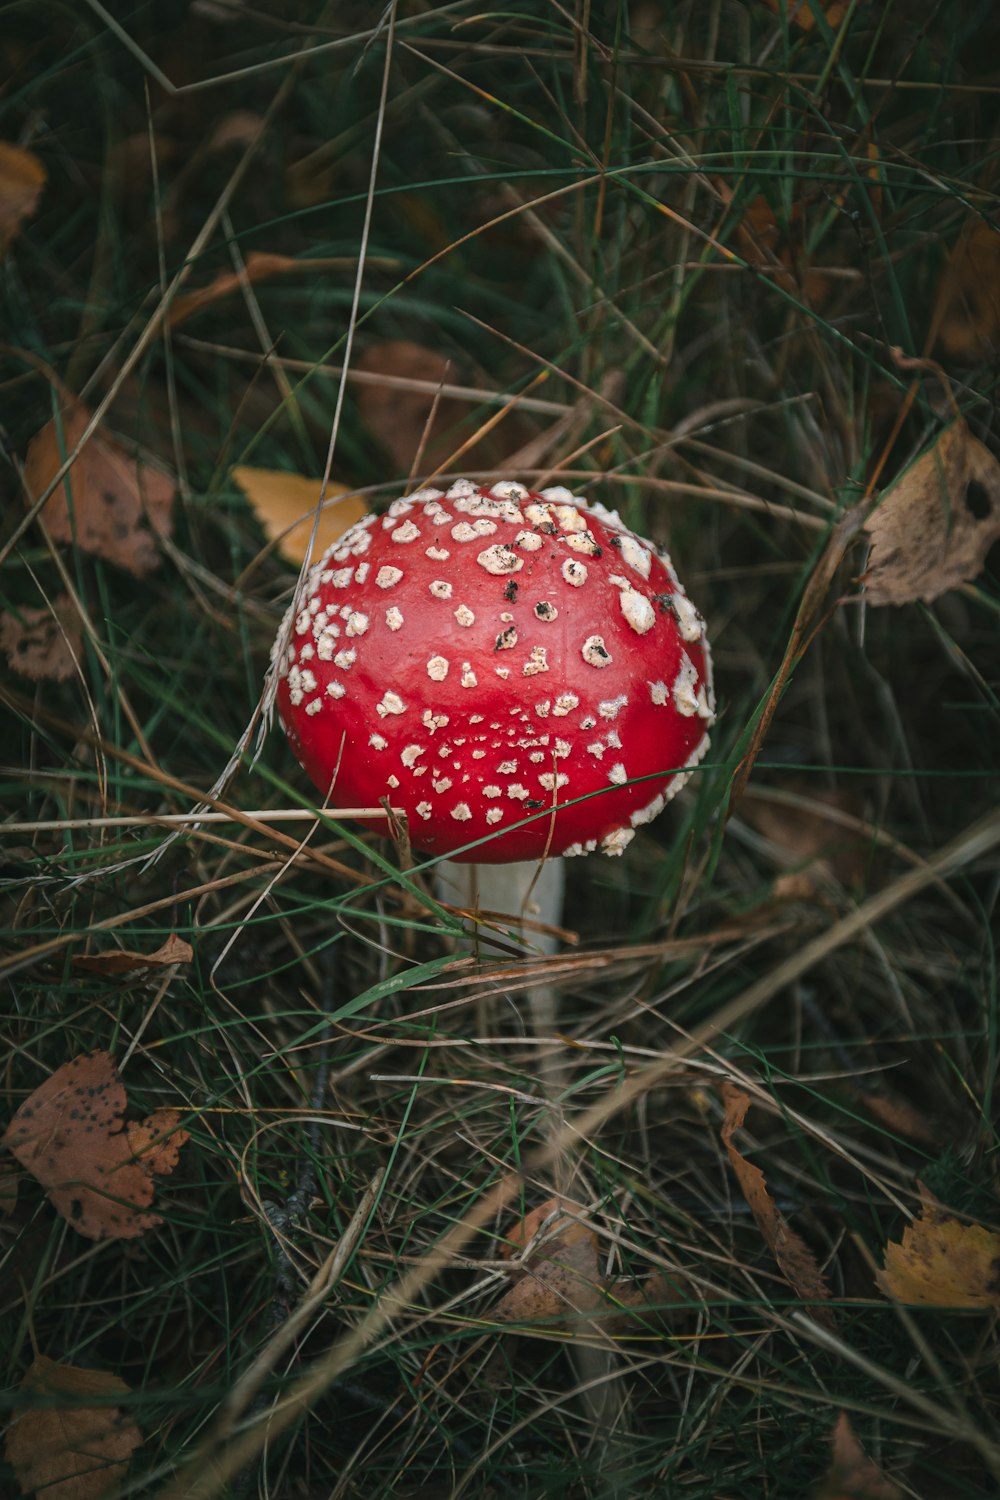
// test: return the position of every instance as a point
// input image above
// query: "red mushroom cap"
(480, 655)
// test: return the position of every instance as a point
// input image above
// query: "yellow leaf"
(933, 527)
(941, 1262)
(284, 505)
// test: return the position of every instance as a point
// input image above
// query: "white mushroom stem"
(528, 892)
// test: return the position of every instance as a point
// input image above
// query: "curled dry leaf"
(284, 505)
(967, 311)
(933, 528)
(22, 178)
(852, 1474)
(70, 1135)
(559, 1279)
(123, 961)
(789, 1249)
(942, 1262)
(43, 643)
(63, 1448)
(113, 506)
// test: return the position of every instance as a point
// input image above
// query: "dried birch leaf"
(789, 1249)
(156, 1141)
(941, 1262)
(560, 1279)
(284, 505)
(926, 535)
(123, 961)
(113, 506)
(22, 178)
(852, 1474)
(65, 1449)
(69, 1134)
(967, 313)
(43, 643)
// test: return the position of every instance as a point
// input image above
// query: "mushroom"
(502, 665)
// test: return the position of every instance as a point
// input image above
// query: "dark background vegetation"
(725, 224)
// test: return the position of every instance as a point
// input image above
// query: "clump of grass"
(711, 227)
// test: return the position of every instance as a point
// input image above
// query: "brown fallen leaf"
(284, 505)
(9, 1179)
(62, 1447)
(800, 13)
(804, 836)
(124, 961)
(43, 643)
(934, 526)
(781, 252)
(558, 1280)
(942, 1262)
(259, 265)
(69, 1134)
(22, 178)
(967, 308)
(852, 1475)
(113, 506)
(399, 417)
(156, 1141)
(794, 1257)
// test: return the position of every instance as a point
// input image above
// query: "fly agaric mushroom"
(482, 655)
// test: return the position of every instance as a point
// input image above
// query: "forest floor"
(723, 1221)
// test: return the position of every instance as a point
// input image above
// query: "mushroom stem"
(525, 889)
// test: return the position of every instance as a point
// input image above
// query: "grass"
(708, 229)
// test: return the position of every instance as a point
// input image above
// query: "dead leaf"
(933, 527)
(894, 1112)
(69, 1134)
(22, 178)
(559, 1279)
(258, 266)
(794, 1257)
(239, 128)
(43, 643)
(64, 1448)
(852, 1474)
(109, 504)
(156, 1141)
(284, 505)
(818, 844)
(780, 252)
(967, 309)
(9, 1180)
(942, 1262)
(800, 13)
(399, 416)
(634, 1307)
(124, 961)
